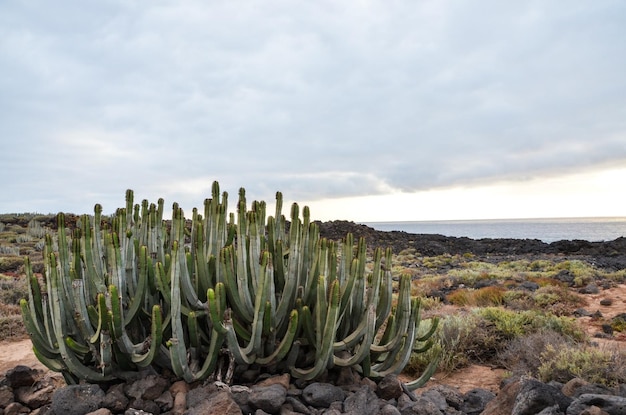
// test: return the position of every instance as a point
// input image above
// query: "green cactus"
(136, 291)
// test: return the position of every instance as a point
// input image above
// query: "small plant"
(594, 365)
(521, 354)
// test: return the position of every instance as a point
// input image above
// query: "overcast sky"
(363, 110)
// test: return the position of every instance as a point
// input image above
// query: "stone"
(475, 401)
(551, 410)
(453, 397)
(148, 388)
(321, 395)
(77, 399)
(534, 396)
(590, 288)
(33, 396)
(21, 376)
(165, 401)
(297, 406)
(135, 411)
(6, 396)
(389, 387)
(283, 380)
(363, 402)
(435, 397)
(593, 410)
(114, 399)
(220, 402)
(606, 302)
(15, 408)
(146, 406)
(612, 405)
(389, 409)
(101, 411)
(268, 398)
(569, 389)
(421, 406)
(197, 395)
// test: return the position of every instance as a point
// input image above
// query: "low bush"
(521, 354)
(10, 263)
(561, 364)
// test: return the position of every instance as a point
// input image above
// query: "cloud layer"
(316, 99)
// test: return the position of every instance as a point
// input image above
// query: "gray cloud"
(316, 99)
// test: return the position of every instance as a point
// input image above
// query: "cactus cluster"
(215, 294)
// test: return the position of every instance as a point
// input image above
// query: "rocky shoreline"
(608, 254)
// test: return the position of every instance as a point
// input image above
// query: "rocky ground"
(26, 387)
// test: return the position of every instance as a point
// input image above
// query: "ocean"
(546, 230)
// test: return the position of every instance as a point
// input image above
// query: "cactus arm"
(285, 344)
(326, 346)
(56, 365)
(403, 314)
(362, 349)
(239, 296)
(162, 283)
(178, 350)
(144, 360)
(142, 285)
(35, 331)
(365, 328)
(426, 375)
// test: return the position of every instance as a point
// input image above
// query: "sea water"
(546, 230)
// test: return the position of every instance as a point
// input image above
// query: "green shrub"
(461, 339)
(520, 356)
(591, 364)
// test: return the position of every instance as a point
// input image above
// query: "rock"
(21, 376)
(220, 402)
(283, 380)
(421, 406)
(606, 302)
(389, 409)
(267, 398)
(15, 408)
(6, 396)
(581, 312)
(165, 401)
(114, 399)
(534, 396)
(389, 387)
(197, 395)
(475, 401)
(146, 406)
(569, 389)
(591, 288)
(612, 405)
(321, 395)
(362, 402)
(101, 411)
(503, 403)
(34, 397)
(135, 411)
(148, 388)
(77, 399)
(551, 410)
(179, 391)
(435, 397)
(453, 397)
(297, 406)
